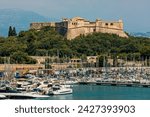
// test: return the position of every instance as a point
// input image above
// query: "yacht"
(60, 90)
(14, 94)
(3, 97)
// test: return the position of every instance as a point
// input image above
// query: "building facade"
(72, 28)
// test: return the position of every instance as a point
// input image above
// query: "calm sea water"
(97, 92)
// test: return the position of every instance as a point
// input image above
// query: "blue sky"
(135, 13)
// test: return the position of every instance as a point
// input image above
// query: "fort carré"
(71, 28)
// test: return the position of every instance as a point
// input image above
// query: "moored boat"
(14, 94)
(3, 97)
(60, 90)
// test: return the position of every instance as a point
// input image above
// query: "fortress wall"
(111, 27)
(75, 24)
(75, 32)
(38, 26)
(89, 30)
(113, 31)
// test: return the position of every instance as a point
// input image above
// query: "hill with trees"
(48, 42)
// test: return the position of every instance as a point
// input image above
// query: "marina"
(66, 82)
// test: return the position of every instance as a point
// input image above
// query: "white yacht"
(3, 97)
(13, 94)
(60, 90)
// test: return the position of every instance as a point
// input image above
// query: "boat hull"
(23, 95)
(61, 92)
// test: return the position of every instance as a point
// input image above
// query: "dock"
(127, 84)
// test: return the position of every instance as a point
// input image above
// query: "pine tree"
(10, 31)
(14, 32)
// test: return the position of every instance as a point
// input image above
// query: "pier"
(127, 84)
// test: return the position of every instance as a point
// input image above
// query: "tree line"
(47, 42)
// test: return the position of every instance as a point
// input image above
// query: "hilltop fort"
(71, 28)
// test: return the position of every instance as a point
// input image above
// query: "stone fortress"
(72, 28)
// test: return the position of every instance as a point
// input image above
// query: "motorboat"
(3, 97)
(60, 90)
(14, 94)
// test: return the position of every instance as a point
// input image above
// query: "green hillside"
(49, 42)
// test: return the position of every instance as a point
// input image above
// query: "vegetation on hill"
(49, 42)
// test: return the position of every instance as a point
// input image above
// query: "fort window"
(94, 30)
(106, 24)
(111, 24)
(74, 23)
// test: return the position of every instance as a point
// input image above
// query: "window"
(94, 30)
(106, 24)
(74, 23)
(111, 24)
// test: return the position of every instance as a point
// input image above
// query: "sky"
(134, 13)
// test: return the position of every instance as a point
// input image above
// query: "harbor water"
(97, 92)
